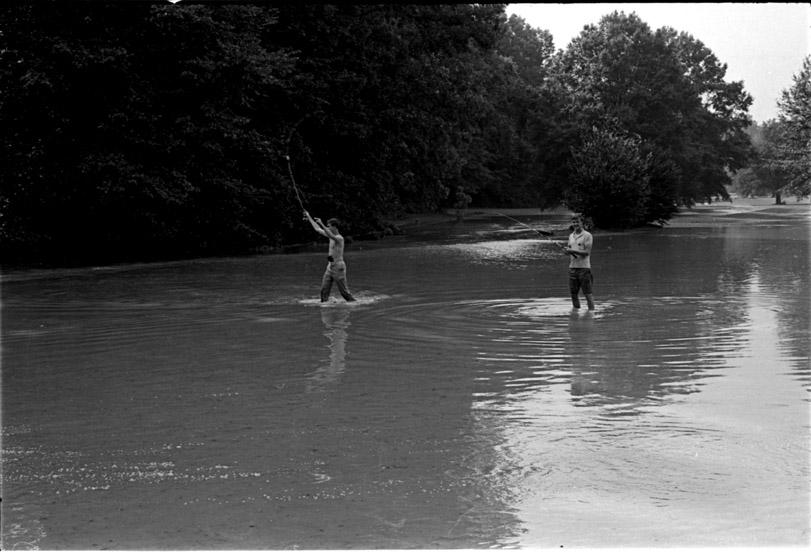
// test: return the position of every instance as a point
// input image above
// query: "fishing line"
(523, 224)
(545, 235)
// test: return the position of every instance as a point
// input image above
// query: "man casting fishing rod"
(336, 266)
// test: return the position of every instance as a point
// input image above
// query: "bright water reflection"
(460, 403)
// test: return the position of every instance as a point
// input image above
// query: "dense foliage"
(610, 177)
(141, 131)
(667, 90)
(766, 173)
(782, 161)
(794, 146)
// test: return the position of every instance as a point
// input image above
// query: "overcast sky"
(762, 44)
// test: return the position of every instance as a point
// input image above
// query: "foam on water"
(271, 319)
(543, 307)
(361, 299)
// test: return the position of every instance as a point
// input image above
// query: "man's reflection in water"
(336, 324)
(610, 370)
(585, 377)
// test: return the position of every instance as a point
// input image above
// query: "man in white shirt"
(579, 248)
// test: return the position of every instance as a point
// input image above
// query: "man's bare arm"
(316, 224)
(326, 231)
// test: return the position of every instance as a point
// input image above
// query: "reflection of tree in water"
(641, 363)
(661, 337)
(778, 271)
(673, 313)
(651, 348)
(336, 324)
(680, 312)
(664, 345)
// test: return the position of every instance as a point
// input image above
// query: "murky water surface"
(461, 403)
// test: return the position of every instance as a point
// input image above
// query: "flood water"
(461, 403)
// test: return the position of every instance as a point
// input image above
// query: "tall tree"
(668, 89)
(610, 178)
(767, 172)
(538, 136)
(131, 128)
(404, 97)
(795, 146)
(716, 140)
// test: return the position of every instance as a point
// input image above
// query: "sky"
(763, 44)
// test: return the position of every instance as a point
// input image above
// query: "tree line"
(147, 131)
(781, 164)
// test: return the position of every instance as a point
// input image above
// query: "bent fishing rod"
(293, 129)
(290, 166)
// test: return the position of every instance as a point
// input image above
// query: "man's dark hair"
(334, 222)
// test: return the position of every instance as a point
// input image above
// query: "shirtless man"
(336, 266)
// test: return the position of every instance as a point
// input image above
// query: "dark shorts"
(580, 278)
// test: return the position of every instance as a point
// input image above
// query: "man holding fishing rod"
(336, 266)
(579, 248)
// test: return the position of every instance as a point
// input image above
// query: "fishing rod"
(540, 233)
(290, 166)
(525, 225)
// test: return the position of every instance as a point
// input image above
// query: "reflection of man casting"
(336, 324)
(336, 267)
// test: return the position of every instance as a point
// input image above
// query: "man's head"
(333, 223)
(577, 223)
